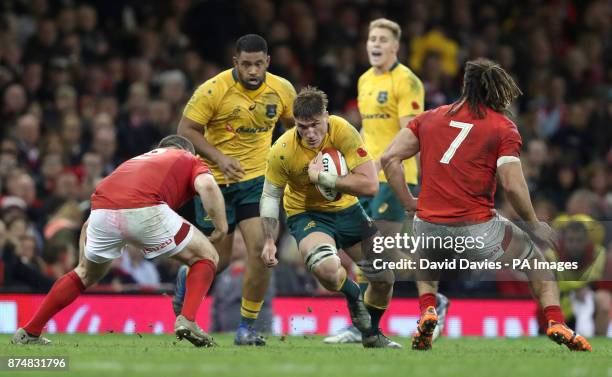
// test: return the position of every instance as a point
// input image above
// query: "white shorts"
(155, 230)
(493, 236)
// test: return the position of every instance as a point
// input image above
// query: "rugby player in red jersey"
(463, 147)
(135, 205)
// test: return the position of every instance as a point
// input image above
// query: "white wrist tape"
(269, 205)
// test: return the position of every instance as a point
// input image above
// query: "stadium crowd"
(87, 85)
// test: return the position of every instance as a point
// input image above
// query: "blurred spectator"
(72, 136)
(105, 144)
(584, 304)
(91, 171)
(43, 45)
(52, 165)
(65, 103)
(67, 218)
(535, 165)
(27, 134)
(583, 202)
(17, 272)
(14, 104)
(552, 112)
(60, 254)
(22, 186)
(142, 271)
(136, 134)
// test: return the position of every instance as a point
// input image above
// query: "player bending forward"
(321, 226)
(135, 205)
(463, 146)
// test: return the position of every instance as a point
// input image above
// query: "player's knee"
(323, 261)
(328, 273)
(603, 300)
(212, 256)
(199, 248)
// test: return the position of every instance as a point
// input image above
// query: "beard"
(249, 85)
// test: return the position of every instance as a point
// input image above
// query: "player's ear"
(396, 45)
(235, 60)
(267, 61)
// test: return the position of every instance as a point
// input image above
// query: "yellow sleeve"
(350, 144)
(360, 83)
(276, 173)
(411, 96)
(202, 104)
(287, 95)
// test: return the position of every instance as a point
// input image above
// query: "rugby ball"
(333, 163)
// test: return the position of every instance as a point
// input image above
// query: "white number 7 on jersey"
(465, 130)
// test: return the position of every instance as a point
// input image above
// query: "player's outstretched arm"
(214, 204)
(269, 207)
(403, 146)
(194, 131)
(513, 182)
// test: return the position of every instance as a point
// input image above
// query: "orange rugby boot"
(561, 334)
(422, 338)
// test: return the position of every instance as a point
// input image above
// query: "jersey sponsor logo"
(311, 224)
(383, 96)
(253, 130)
(362, 152)
(271, 111)
(375, 116)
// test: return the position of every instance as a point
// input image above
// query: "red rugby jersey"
(163, 175)
(459, 156)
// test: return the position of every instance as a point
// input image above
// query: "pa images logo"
(270, 111)
(383, 96)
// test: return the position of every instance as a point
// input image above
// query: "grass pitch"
(112, 355)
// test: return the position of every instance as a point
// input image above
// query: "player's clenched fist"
(268, 255)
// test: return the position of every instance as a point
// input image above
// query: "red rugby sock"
(554, 313)
(199, 278)
(427, 300)
(65, 290)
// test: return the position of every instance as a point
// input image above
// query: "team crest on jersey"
(270, 111)
(383, 96)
